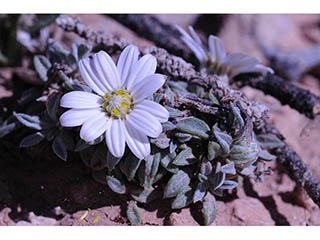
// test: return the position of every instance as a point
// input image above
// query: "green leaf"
(217, 180)
(213, 99)
(75, 85)
(32, 139)
(183, 199)
(161, 142)
(130, 165)
(249, 171)
(206, 168)
(31, 121)
(50, 133)
(184, 158)
(266, 156)
(6, 128)
(42, 65)
(59, 54)
(269, 141)
(112, 161)
(161, 172)
(228, 168)
(174, 113)
(98, 160)
(202, 177)
(145, 195)
(133, 215)
(81, 145)
(200, 191)
(183, 137)
(223, 139)
(243, 163)
(209, 209)
(178, 183)
(173, 146)
(178, 86)
(237, 114)
(42, 20)
(68, 140)
(229, 184)
(168, 126)
(155, 164)
(166, 162)
(86, 155)
(80, 50)
(246, 156)
(214, 150)
(149, 170)
(52, 105)
(100, 176)
(59, 148)
(116, 184)
(194, 126)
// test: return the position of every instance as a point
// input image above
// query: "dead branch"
(287, 93)
(295, 166)
(162, 34)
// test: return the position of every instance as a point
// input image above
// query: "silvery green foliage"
(6, 127)
(215, 59)
(193, 159)
(48, 127)
(134, 215)
(42, 65)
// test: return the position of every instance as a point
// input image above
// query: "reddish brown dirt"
(46, 191)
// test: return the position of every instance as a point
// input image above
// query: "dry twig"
(295, 166)
(287, 93)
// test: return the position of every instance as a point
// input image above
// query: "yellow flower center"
(118, 103)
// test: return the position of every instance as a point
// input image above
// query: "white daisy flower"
(214, 58)
(118, 108)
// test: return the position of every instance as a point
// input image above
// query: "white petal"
(144, 67)
(196, 48)
(80, 99)
(90, 77)
(137, 142)
(144, 122)
(94, 127)
(76, 117)
(147, 87)
(155, 109)
(115, 138)
(194, 35)
(128, 58)
(216, 48)
(108, 70)
(98, 67)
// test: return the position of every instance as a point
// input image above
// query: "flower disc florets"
(118, 104)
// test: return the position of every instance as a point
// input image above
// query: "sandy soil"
(43, 190)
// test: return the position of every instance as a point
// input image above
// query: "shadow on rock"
(39, 182)
(268, 203)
